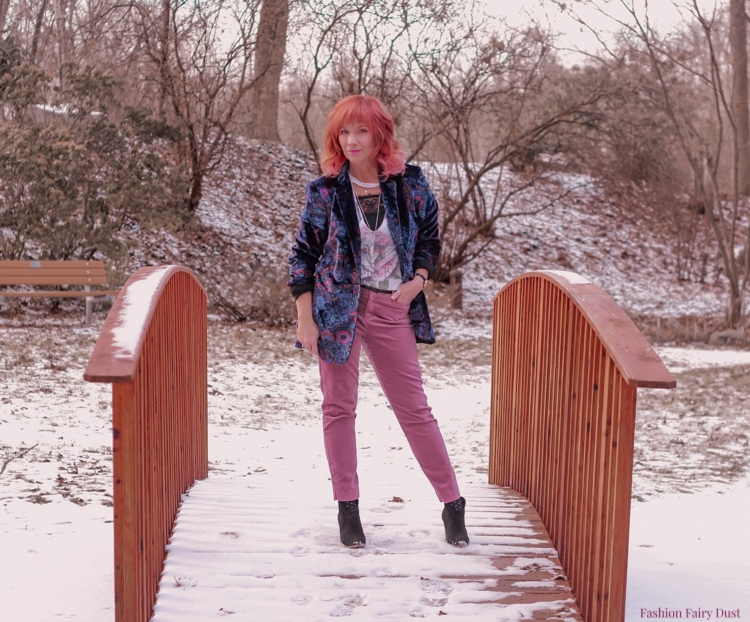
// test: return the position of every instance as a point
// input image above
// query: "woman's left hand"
(408, 291)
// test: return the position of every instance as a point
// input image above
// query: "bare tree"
(202, 76)
(324, 21)
(701, 140)
(363, 46)
(491, 100)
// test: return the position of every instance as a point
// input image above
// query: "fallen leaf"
(396, 500)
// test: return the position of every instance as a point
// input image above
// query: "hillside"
(247, 219)
(254, 201)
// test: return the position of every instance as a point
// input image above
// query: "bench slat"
(56, 294)
(53, 280)
(48, 272)
(51, 264)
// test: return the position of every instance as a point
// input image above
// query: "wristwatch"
(421, 277)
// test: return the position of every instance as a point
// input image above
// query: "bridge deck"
(248, 552)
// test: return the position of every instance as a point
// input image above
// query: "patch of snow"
(680, 359)
(691, 551)
(570, 277)
(135, 307)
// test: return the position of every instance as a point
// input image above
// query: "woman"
(368, 242)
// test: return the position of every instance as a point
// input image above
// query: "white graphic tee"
(380, 265)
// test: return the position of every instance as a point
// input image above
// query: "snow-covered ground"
(691, 552)
(687, 549)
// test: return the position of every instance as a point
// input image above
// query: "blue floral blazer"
(327, 252)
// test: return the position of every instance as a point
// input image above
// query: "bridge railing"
(567, 362)
(152, 349)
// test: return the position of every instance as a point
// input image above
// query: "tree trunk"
(196, 192)
(60, 35)
(4, 4)
(738, 41)
(274, 19)
(166, 12)
(37, 31)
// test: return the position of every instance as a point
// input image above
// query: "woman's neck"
(367, 173)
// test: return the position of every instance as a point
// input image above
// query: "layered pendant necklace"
(366, 185)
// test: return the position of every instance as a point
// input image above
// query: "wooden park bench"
(86, 273)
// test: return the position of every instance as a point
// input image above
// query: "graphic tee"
(380, 266)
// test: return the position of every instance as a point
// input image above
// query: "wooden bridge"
(549, 531)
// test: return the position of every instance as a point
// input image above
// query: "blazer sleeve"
(427, 249)
(308, 243)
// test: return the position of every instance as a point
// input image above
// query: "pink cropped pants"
(384, 327)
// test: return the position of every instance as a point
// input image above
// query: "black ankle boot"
(453, 519)
(350, 527)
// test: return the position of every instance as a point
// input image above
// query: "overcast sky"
(664, 14)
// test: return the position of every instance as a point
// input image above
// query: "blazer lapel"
(398, 219)
(346, 211)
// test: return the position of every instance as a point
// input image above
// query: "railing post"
(566, 365)
(153, 349)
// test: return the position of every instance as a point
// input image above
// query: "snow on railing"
(566, 365)
(152, 347)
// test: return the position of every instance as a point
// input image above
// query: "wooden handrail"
(566, 365)
(153, 349)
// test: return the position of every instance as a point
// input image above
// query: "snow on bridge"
(261, 553)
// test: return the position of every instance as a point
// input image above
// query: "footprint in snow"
(436, 592)
(347, 607)
(299, 551)
(302, 600)
(416, 533)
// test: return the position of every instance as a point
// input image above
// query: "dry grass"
(696, 434)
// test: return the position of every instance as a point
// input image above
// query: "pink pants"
(386, 330)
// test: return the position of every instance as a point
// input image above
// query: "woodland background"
(118, 118)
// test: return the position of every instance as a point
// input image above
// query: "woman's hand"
(307, 329)
(408, 291)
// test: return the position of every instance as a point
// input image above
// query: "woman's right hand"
(307, 330)
(308, 334)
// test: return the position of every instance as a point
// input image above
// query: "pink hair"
(370, 112)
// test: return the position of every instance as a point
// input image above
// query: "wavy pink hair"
(370, 112)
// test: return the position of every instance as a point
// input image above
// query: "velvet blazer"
(326, 253)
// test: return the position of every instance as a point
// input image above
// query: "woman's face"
(357, 143)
